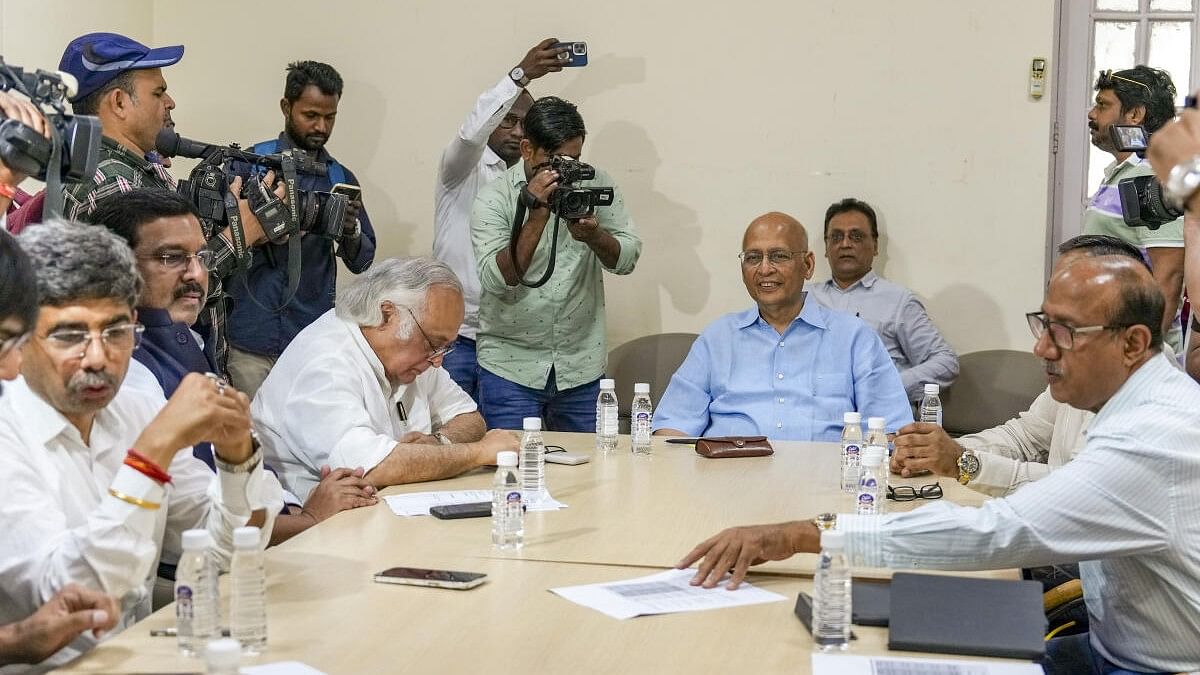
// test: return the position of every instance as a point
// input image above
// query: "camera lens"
(579, 48)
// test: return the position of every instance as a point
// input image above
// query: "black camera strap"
(517, 224)
(288, 162)
(54, 191)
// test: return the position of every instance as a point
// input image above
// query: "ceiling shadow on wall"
(669, 231)
(962, 305)
(370, 111)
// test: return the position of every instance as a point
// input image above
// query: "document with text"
(418, 503)
(662, 593)
(849, 664)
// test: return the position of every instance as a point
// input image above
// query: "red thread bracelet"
(143, 464)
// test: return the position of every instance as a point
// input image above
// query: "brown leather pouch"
(717, 447)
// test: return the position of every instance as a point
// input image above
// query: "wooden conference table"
(628, 516)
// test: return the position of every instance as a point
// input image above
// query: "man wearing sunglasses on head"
(363, 385)
(98, 478)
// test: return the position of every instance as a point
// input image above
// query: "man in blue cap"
(121, 82)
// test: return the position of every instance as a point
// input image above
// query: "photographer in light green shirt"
(542, 350)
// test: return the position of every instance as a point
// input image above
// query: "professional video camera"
(321, 213)
(70, 154)
(572, 203)
(1143, 202)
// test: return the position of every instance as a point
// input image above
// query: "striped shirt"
(122, 170)
(1127, 507)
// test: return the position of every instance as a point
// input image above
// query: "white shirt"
(1127, 506)
(328, 401)
(467, 165)
(59, 524)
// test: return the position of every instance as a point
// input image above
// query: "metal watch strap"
(1183, 181)
(247, 466)
(825, 521)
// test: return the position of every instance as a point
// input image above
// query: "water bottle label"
(513, 497)
(851, 449)
(866, 500)
(867, 482)
(183, 602)
(608, 422)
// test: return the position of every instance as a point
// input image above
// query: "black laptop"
(967, 615)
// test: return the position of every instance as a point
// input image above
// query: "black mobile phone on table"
(456, 511)
(417, 576)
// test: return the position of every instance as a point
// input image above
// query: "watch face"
(968, 463)
(517, 73)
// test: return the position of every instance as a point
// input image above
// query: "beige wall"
(706, 115)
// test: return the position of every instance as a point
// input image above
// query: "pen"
(171, 632)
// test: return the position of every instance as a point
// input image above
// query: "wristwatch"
(245, 467)
(443, 438)
(825, 521)
(968, 466)
(518, 75)
(1183, 181)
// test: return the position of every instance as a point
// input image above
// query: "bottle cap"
(606, 383)
(506, 458)
(876, 422)
(852, 418)
(872, 455)
(931, 389)
(532, 424)
(641, 388)
(224, 654)
(196, 540)
(247, 537)
(833, 540)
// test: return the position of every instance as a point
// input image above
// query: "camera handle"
(518, 223)
(288, 162)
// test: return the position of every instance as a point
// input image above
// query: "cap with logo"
(96, 59)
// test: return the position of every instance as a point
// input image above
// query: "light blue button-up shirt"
(742, 378)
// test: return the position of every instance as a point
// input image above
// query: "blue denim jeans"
(1074, 655)
(505, 404)
(463, 367)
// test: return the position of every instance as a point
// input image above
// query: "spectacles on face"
(1062, 335)
(177, 262)
(11, 344)
(855, 236)
(908, 493)
(119, 339)
(777, 258)
(511, 121)
(434, 352)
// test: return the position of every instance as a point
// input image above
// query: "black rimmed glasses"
(511, 121)
(119, 339)
(855, 237)
(177, 262)
(1061, 334)
(434, 352)
(908, 493)
(778, 257)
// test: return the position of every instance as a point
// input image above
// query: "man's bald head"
(778, 224)
(1123, 289)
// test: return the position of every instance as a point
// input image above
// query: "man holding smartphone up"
(488, 143)
(258, 335)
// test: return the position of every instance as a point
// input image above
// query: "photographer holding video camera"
(544, 233)
(272, 306)
(14, 110)
(121, 82)
(1145, 97)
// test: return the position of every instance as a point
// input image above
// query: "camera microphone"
(70, 85)
(169, 143)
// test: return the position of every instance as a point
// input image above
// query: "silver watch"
(1183, 181)
(518, 75)
(443, 438)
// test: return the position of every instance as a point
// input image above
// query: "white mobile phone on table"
(416, 576)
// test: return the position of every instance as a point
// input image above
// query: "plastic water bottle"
(931, 405)
(831, 594)
(533, 461)
(248, 608)
(871, 490)
(641, 419)
(508, 512)
(222, 657)
(876, 435)
(852, 444)
(196, 596)
(606, 416)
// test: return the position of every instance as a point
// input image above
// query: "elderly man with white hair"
(362, 386)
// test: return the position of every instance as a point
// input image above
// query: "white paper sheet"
(662, 593)
(418, 503)
(280, 668)
(849, 664)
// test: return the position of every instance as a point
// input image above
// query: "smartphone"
(415, 576)
(352, 192)
(575, 56)
(571, 458)
(456, 511)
